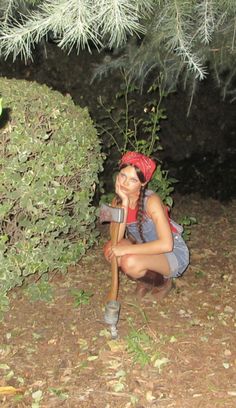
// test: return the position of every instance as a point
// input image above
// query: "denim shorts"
(179, 258)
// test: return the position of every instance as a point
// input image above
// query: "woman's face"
(129, 181)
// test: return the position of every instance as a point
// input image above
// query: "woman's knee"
(129, 266)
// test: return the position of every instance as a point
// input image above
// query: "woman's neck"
(133, 201)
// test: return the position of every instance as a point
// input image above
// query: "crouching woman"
(150, 247)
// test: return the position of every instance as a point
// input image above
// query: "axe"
(115, 215)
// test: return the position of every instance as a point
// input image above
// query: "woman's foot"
(142, 289)
(148, 283)
(160, 292)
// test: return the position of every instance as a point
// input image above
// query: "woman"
(150, 248)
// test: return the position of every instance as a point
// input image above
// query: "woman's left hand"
(123, 196)
(113, 250)
(118, 250)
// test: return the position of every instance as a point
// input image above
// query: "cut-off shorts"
(178, 258)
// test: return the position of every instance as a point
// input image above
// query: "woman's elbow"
(168, 246)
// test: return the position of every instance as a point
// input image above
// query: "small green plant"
(187, 222)
(199, 274)
(41, 290)
(163, 184)
(59, 392)
(81, 297)
(126, 126)
(139, 345)
(143, 347)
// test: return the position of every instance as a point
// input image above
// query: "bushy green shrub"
(49, 163)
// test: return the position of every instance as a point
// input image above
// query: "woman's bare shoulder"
(154, 203)
(154, 198)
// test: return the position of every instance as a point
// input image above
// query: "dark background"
(199, 149)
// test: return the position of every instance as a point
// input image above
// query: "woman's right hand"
(107, 251)
(120, 192)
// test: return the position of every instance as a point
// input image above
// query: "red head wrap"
(144, 163)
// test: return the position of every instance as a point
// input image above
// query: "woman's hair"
(140, 199)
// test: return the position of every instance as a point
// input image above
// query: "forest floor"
(180, 353)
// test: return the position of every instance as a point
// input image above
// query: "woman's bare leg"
(136, 266)
(139, 267)
(143, 268)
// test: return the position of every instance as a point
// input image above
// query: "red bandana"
(144, 163)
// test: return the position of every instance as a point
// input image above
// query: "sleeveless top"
(149, 228)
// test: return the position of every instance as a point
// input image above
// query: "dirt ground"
(180, 353)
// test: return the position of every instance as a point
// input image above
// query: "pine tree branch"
(119, 18)
(206, 14)
(79, 26)
(181, 41)
(75, 23)
(177, 36)
(8, 8)
(234, 34)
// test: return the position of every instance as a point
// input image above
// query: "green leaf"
(4, 367)
(37, 395)
(161, 362)
(60, 393)
(81, 297)
(92, 358)
(118, 387)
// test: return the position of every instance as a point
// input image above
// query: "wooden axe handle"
(114, 266)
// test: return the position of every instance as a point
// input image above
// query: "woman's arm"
(164, 243)
(124, 204)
